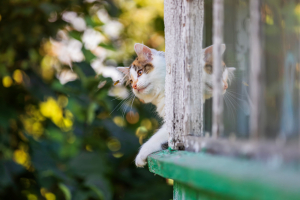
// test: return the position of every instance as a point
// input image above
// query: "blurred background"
(65, 132)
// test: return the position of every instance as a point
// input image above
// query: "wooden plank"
(227, 178)
(257, 86)
(218, 20)
(183, 107)
(266, 151)
(183, 191)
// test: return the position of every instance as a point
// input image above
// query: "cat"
(146, 76)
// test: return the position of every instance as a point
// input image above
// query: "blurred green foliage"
(62, 141)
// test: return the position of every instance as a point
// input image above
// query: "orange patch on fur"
(140, 63)
(141, 100)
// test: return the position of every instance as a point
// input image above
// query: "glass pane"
(280, 25)
(281, 50)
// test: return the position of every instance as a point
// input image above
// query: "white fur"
(152, 145)
(155, 93)
(155, 80)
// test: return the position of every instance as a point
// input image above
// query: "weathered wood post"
(218, 21)
(183, 34)
(256, 75)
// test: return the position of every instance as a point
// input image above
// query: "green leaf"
(75, 34)
(65, 190)
(90, 22)
(91, 112)
(89, 56)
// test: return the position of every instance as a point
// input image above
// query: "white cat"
(146, 75)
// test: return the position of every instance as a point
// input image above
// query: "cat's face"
(208, 72)
(146, 74)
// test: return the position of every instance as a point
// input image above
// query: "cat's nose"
(225, 85)
(134, 86)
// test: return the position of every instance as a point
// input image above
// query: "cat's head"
(146, 74)
(227, 75)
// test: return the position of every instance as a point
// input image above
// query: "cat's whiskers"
(233, 100)
(122, 102)
(231, 108)
(115, 98)
(231, 111)
(226, 104)
(125, 106)
(236, 93)
(237, 99)
(132, 104)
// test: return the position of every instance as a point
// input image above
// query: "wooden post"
(256, 75)
(183, 33)
(218, 21)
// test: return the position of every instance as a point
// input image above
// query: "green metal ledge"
(216, 177)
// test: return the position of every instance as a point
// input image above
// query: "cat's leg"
(152, 145)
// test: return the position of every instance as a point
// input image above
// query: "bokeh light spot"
(50, 196)
(32, 197)
(89, 148)
(118, 155)
(17, 75)
(119, 121)
(21, 157)
(114, 144)
(147, 123)
(132, 117)
(53, 110)
(141, 133)
(43, 191)
(7, 81)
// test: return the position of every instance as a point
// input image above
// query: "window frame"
(214, 167)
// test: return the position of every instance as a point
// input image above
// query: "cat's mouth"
(142, 89)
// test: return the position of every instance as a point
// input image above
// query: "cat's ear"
(143, 52)
(124, 70)
(208, 52)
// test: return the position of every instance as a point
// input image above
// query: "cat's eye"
(140, 72)
(130, 81)
(208, 69)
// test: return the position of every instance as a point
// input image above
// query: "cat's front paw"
(140, 160)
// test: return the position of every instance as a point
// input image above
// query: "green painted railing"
(204, 176)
